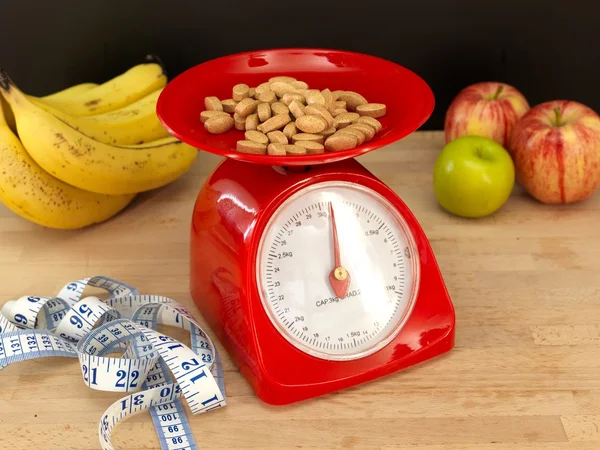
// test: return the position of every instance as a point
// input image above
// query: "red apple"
(487, 109)
(556, 150)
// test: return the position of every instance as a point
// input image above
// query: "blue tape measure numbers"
(91, 328)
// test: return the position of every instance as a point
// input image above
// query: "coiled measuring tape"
(91, 328)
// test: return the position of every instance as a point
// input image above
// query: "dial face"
(337, 286)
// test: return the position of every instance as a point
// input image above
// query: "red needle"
(339, 278)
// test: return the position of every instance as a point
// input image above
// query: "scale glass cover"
(314, 275)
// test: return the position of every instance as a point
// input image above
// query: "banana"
(116, 93)
(64, 94)
(30, 192)
(8, 115)
(81, 161)
(134, 124)
(69, 93)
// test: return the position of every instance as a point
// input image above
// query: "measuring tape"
(91, 329)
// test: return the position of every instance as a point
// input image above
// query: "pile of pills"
(283, 116)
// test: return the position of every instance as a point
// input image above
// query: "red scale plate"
(408, 99)
(243, 197)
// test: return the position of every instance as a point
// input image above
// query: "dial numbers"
(295, 261)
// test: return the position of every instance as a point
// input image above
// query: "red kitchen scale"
(313, 274)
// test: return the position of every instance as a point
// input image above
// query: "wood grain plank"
(494, 335)
(567, 335)
(498, 446)
(351, 433)
(404, 405)
(588, 401)
(582, 428)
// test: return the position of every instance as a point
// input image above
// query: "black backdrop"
(546, 48)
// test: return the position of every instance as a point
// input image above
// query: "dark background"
(548, 49)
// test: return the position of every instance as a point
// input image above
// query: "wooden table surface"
(524, 374)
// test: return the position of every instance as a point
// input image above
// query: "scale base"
(229, 216)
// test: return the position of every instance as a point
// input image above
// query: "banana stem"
(4, 81)
(154, 59)
(11, 92)
(3, 122)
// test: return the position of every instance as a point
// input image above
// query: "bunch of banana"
(79, 156)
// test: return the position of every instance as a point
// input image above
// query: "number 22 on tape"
(88, 328)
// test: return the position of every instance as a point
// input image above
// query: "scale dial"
(298, 273)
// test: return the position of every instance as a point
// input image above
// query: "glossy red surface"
(228, 219)
(409, 99)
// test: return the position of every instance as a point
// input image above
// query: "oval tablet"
(376, 124)
(219, 124)
(328, 97)
(345, 119)
(282, 78)
(205, 115)
(251, 147)
(308, 137)
(336, 95)
(264, 111)
(292, 150)
(341, 141)
(240, 122)
(279, 108)
(280, 88)
(320, 110)
(274, 123)
(213, 104)
(246, 107)
(240, 92)
(267, 97)
(263, 87)
(229, 105)
(311, 123)
(352, 99)
(337, 111)
(289, 130)
(277, 137)
(256, 136)
(276, 149)
(251, 122)
(367, 130)
(328, 131)
(296, 108)
(312, 148)
(299, 84)
(289, 98)
(372, 110)
(315, 98)
(359, 134)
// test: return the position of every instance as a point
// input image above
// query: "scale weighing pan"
(408, 98)
(313, 273)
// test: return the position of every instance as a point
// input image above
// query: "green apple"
(473, 176)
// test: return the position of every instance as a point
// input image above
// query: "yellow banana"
(81, 161)
(64, 94)
(116, 93)
(134, 124)
(8, 115)
(69, 93)
(30, 192)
